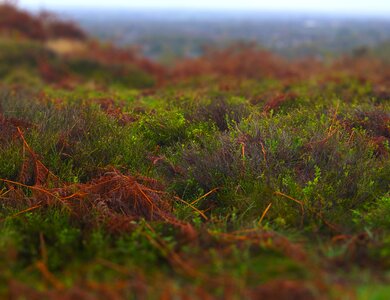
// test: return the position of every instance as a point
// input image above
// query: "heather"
(236, 174)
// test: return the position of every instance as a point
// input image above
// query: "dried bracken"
(115, 110)
(284, 290)
(262, 178)
(278, 100)
(117, 199)
(46, 26)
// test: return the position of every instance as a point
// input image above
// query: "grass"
(222, 180)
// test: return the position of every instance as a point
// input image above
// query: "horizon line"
(228, 10)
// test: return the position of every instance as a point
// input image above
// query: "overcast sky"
(341, 6)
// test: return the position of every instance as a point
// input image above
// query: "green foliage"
(316, 164)
(10, 161)
(163, 128)
(111, 75)
(51, 232)
(377, 217)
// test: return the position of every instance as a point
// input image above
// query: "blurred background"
(167, 30)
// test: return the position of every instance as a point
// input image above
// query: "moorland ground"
(234, 175)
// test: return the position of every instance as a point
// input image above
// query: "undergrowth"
(234, 175)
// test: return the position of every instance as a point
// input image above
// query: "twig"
(204, 196)
(49, 276)
(264, 213)
(296, 201)
(193, 207)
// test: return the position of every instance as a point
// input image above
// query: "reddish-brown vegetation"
(244, 62)
(278, 100)
(248, 152)
(43, 27)
(117, 198)
(284, 290)
(115, 110)
(13, 20)
(249, 62)
(9, 127)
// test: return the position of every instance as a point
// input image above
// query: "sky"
(381, 7)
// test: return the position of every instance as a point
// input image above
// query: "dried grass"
(116, 199)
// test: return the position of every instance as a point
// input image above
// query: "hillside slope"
(235, 175)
